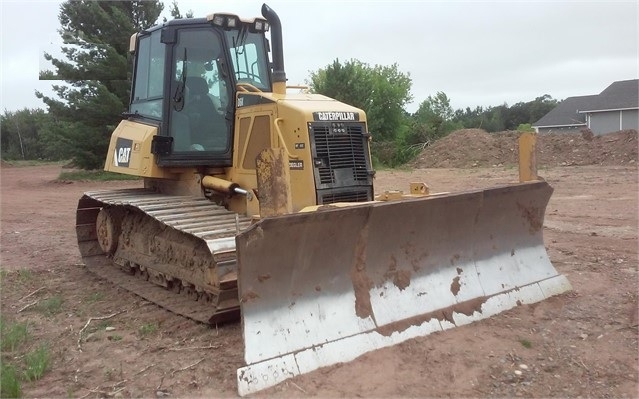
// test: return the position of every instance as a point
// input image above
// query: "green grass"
(13, 335)
(95, 297)
(101, 326)
(51, 305)
(33, 366)
(9, 382)
(22, 275)
(116, 338)
(25, 275)
(525, 343)
(147, 329)
(34, 162)
(36, 363)
(94, 175)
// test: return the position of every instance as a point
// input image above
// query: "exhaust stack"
(279, 75)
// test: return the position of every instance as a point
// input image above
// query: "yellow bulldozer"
(258, 205)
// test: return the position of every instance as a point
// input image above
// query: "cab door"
(199, 107)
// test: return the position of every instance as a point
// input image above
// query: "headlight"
(226, 21)
(218, 20)
(259, 25)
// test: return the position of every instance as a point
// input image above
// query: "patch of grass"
(25, 275)
(33, 365)
(525, 343)
(147, 329)
(34, 162)
(115, 338)
(95, 297)
(94, 175)
(51, 305)
(36, 363)
(101, 326)
(13, 335)
(3, 275)
(9, 382)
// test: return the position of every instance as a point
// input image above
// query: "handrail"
(281, 136)
(244, 87)
(301, 87)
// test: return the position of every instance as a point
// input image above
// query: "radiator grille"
(341, 163)
(340, 154)
(350, 196)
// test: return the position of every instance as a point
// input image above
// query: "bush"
(392, 153)
(525, 127)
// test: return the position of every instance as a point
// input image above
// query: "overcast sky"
(477, 52)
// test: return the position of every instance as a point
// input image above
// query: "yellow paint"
(418, 188)
(280, 121)
(528, 157)
(279, 87)
(142, 162)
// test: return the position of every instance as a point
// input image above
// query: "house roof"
(566, 113)
(572, 111)
(619, 95)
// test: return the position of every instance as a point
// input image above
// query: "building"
(615, 108)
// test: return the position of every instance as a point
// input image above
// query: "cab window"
(249, 58)
(149, 77)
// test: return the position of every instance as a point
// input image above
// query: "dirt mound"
(477, 148)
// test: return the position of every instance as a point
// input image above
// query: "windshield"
(249, 58)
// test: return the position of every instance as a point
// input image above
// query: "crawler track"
(178, 252)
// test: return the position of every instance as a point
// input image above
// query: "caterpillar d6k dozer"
(258, 205)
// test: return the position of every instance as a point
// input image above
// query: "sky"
(480, 53)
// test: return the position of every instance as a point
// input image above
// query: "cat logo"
(122, 154)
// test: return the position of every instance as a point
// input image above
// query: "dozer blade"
(325, 287)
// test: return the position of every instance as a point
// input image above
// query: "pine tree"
(97, 73)
(175, 11)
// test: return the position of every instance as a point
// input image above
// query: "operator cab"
(184, 82)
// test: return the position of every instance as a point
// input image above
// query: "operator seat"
(200, 109)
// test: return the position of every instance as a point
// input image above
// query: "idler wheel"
(108, 230)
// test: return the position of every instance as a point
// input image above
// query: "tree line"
(97, 76)
(384, 91)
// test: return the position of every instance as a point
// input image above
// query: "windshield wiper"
(178, 97)
(241, 40)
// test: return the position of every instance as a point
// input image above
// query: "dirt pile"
(477, 148)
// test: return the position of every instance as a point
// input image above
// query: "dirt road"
(584, 343)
